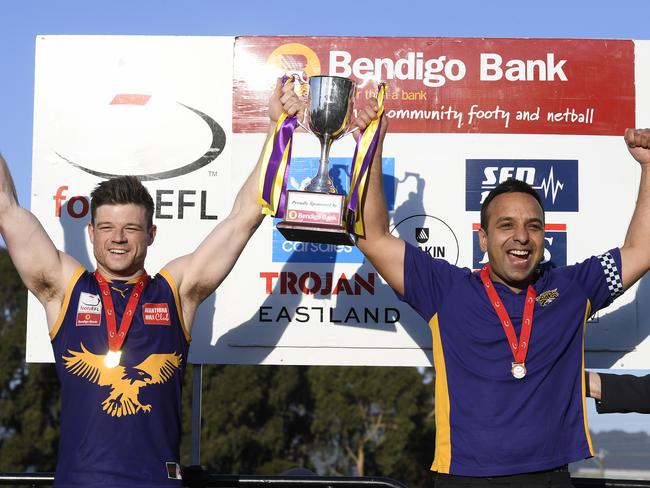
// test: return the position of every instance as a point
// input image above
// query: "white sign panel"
(158, 107)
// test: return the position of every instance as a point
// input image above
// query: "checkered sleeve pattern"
(612, 276)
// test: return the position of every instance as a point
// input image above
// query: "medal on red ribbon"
(519, 347)
(116, 337)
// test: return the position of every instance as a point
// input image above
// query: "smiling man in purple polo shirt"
(508, 340)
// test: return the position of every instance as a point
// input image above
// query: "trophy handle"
(302, 124)
(302, 81)
(351, 131)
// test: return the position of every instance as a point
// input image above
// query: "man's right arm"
(620, 393)
(44, 270)
(383, 250)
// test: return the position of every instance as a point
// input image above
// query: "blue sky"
(22, 20)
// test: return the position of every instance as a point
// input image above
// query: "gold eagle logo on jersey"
(125, 381)
(547, 297)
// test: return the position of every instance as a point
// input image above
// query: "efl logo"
(295, 58)
(556, 181)
(554, 246)
(170, 203)
(89, 310)
(430, 234)
(301, 172)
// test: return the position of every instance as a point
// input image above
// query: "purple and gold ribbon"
(364, 153)
(275, 164)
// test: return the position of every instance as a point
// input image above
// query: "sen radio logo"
(295, 58)
(554, 246)
(556, 181)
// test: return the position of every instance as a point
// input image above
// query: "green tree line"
(352, 421)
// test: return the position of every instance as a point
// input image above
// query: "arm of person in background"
(635, 252)
(383, 250)
(199, 273)
(620, 393)
(44, 270)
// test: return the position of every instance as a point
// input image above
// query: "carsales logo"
(554, 246)
(556, 181)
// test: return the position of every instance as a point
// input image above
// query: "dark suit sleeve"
(624, 393)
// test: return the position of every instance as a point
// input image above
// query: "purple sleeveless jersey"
(120, 427)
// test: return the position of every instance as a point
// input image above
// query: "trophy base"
(294, 231)
(315, 217)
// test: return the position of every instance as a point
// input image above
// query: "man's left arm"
(635, 253)
(199, 273)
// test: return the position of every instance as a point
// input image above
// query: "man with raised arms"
(508, 340)
(121, 337)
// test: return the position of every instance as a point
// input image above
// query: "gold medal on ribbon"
(112, 359)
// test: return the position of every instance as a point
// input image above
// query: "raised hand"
(638, 143)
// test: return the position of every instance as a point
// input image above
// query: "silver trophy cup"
(317, 214)
(330, 114)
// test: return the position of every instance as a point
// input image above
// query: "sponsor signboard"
(555, 180)
(188, 115)
(458, 85)
(555, 240)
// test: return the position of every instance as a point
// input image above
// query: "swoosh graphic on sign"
(216, 147)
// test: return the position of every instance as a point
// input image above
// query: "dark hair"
(508, 186)
(119, 191)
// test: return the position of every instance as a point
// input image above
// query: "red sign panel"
(513, 86)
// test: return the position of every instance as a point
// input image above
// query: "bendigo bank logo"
(149, 137)
(295, 59)
(556, 181)
(554, 246)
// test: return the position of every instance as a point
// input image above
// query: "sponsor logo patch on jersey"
(89, 310)
(156, 314)
(547, 297)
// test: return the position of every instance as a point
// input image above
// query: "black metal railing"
(199, 478)
(608, 483)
